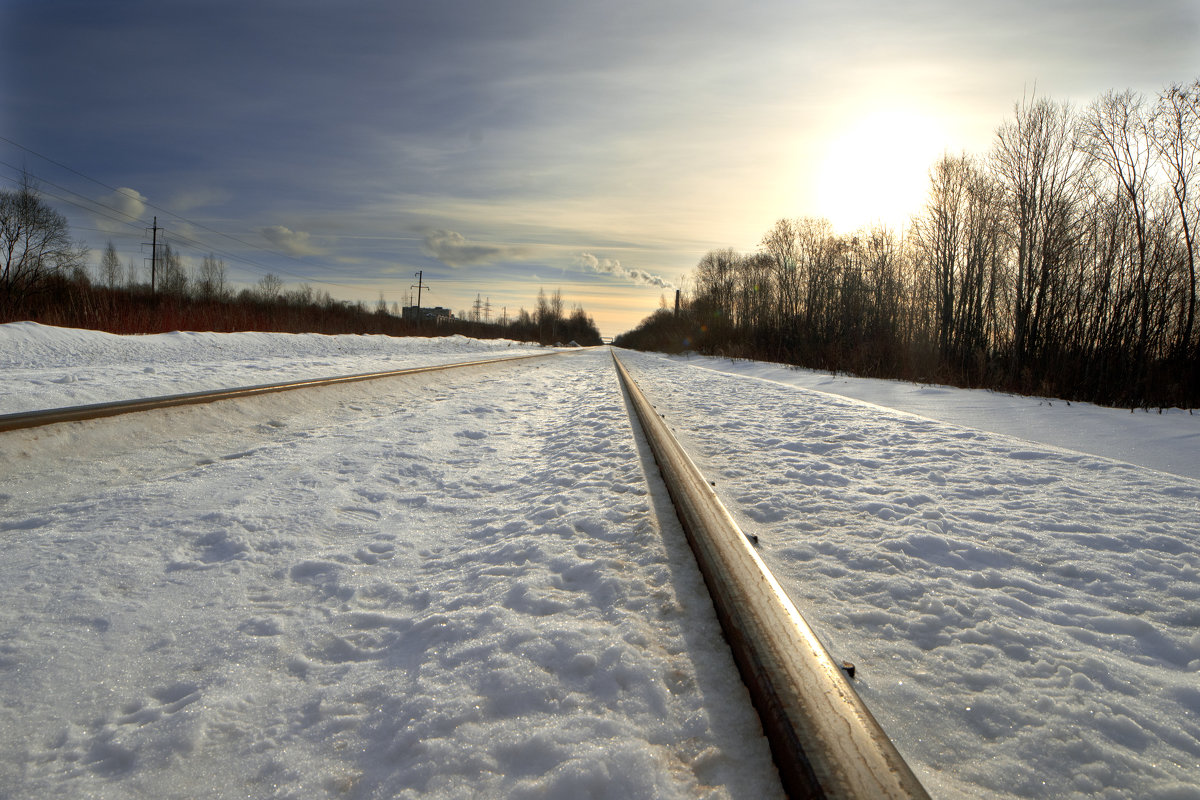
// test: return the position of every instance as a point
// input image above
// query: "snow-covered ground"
(456, 585)
(1025, 619)
(1141, 437)
(468, 583)
(46, 367)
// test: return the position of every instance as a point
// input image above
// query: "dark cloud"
(453, 249)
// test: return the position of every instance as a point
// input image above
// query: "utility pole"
(418, 287)
(487, 311)
(153, 254)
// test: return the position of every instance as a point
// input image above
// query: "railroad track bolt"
(849, 669)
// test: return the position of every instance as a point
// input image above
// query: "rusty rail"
(824, 740)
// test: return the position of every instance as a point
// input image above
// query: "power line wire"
(88, 208)
(139, 227)
(215, 251)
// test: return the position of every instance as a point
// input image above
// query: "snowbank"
(1166, 439)
(48, 367)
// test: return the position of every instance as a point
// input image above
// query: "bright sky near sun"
(875, 168)
(600, 148)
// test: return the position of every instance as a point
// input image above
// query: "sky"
(502, 147)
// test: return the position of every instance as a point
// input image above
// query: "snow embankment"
(47, 367)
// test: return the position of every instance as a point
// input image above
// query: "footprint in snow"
(375, 552)
(360, 512)
(260, 626)
(163, 701)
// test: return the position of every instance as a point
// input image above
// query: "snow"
(1141, 437)
(1024, 619)
(449, 586)
(471, 584)
(46, 367)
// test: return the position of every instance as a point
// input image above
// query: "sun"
(876, 170)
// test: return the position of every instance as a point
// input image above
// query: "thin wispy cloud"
(453, 249)
(192, 199)
(611, 266)
(294, 243)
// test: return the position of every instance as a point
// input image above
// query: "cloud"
(610, 266)
(453, 250)
(294, 243)
(191, 199)
(129, 205)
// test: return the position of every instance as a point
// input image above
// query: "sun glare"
(876, 169)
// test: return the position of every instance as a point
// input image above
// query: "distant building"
(421, 314)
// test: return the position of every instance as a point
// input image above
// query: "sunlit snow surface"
(462, 585)
(46, 367)
(451, 586)
(1025, 620)
(1140, 437)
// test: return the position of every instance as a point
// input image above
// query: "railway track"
(824, 740)
(35, 419)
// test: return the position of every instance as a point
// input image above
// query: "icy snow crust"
(456, 585)
(1025, 620)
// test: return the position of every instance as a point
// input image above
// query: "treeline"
(1063, 263)
(73, 300)
(549, 323)
(44, 277)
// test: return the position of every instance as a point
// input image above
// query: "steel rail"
(34, 419)
(825, 741)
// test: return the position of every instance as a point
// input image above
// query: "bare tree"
(716, 280)
(958, 244)
(755, 292)
(938, 236)
(211, 281)
(816, 250)
(1115, 139)
(269, 287)
(1036, 161)
(34, 244)
(305, 295)
(1176, 139)
(1064, 263)
(783, 252)
(110, 267)
(172, 278)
